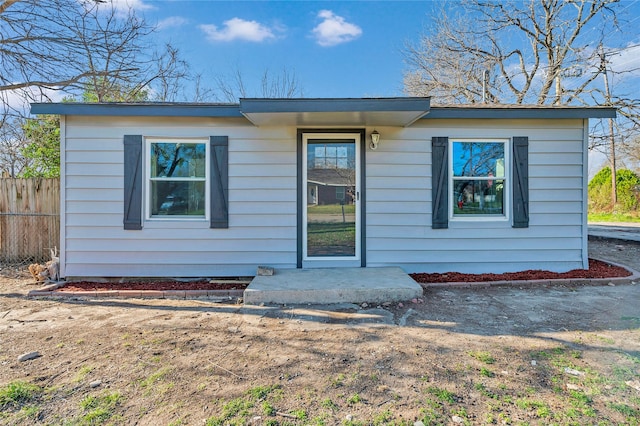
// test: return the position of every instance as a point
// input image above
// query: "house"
(178, 189)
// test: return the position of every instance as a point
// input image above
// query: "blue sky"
(334, 48)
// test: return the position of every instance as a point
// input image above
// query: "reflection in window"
(328, 156)
(177, 178)
(478, 174)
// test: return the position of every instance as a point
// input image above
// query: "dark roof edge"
(321, 105)
(517, 111)
(266, 105)
(138, 109)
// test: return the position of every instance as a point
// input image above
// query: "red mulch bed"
(151, 285)
(597, 269)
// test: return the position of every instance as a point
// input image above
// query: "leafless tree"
(12, 162)
(518, 51)
(540, 52)
(231, 87)
(80, 45)
(89, 50)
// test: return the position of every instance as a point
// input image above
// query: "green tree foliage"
(628, 184)
(43, 148)
(43, 132)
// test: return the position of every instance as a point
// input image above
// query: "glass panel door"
(331, 197)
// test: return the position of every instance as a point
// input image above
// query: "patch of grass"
(383, 418)
(580, 405)
(323, 234)
(606, 340)
(237, 411)
(300, 414)
(354, 399)
(504, 419)
(480, 387)
(547, 354)
(622, 373)
(82, 373)
(433, 413)
(268, 409)
(329, 404)
(331, 209)
(259, 393)
(625, 410)
(442, 394)
(353, 423)
(611, 217)
(99, 409)
(236, 407)
(154, 377)
(485, 372)
(462, 413)
(541, 409)
(482, 356)
(18, 393)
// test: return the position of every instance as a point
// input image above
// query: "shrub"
(628, 184)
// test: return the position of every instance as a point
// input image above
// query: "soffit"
(399, 112)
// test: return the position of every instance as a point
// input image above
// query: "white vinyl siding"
(399, 202)
(262, 203)
(263, 207)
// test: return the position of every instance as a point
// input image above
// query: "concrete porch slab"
(334, 285)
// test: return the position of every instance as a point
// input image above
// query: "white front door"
(331, 199)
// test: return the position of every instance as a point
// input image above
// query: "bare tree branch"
(527, 47)
(82, 45)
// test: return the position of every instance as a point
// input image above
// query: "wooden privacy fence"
(29, 219)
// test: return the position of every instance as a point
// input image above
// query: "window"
(494, 172)
(186, 176)
(479, 178)
(177, 179)
(329, 156)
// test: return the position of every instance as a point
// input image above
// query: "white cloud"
(133, 4)
(334, 29)
(172, 22)
(19, 99)
(626, 61)
(238, 29)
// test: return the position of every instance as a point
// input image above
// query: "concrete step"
(332, 285)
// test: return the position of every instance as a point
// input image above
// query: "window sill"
(187, 223)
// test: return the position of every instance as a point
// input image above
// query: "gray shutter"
(219, 183)
(440, 182)
(132, 182)
(520, 182)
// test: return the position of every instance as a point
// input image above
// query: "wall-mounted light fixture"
(375, 138)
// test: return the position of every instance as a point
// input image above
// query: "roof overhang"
(332, 112)
(400, 112)
(512, 112)
(148, 109)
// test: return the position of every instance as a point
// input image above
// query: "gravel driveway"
(626, 253)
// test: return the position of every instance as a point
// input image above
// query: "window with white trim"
(479, 178)
(177, 178)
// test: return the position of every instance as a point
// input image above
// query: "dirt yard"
(555, 355)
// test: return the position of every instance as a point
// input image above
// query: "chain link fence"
(27, 238)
